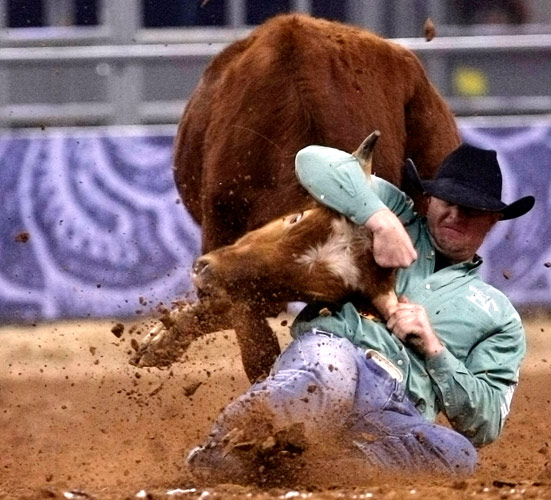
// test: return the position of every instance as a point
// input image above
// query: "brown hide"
(315, 255)
(293, 82)
(297, 81)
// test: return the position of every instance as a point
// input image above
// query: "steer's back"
(297, 81)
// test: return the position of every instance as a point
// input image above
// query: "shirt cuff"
(442, 366)
(335, 179)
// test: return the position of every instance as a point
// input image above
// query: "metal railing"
(119, 73)
(122, 68)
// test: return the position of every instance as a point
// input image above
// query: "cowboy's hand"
(392, 245)
(410, 323)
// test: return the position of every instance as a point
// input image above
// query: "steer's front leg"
(257, 341)
(168, 340)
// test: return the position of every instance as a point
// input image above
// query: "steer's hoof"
(163, 345)
(154, 349)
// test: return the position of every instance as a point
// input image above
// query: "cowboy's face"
(458, 231)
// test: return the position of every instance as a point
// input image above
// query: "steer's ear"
(364, 154)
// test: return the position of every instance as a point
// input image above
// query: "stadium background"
(90, 94)
(92, 234)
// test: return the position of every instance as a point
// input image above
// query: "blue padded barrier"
(107, 236)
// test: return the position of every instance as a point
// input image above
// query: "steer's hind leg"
(170, 338)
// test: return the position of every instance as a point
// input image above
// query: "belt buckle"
(384, 363)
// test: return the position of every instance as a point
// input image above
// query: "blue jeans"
(332, 388)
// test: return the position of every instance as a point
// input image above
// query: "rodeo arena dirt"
(79, 422)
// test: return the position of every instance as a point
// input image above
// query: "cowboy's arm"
(475, 395)
(375, 203)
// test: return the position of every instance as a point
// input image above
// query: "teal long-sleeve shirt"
(473, 379)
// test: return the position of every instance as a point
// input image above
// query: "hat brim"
(458, 194)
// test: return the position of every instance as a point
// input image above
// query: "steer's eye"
(293, 219)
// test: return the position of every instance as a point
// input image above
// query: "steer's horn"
(364, 154)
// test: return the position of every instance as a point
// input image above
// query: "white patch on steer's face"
(336, 254)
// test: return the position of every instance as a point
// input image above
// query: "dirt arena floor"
(78, 422)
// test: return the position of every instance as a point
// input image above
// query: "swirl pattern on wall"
(106, 231)
(517, 253)
(92, 225)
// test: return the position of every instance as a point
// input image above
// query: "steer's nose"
(199, 270)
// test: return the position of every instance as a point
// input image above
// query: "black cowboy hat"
(471, 177)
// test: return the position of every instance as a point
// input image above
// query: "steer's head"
(316, 254)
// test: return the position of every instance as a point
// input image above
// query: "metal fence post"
(407, 18)
(3, 14)
(437, 66)
(4, 92)
(302, 6)
(124, 78)
(58, 13)
(368, 14)
(236, 15)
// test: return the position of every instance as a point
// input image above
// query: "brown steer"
(294, 81)
(312, 255)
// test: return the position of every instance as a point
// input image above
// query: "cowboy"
(371, 387)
